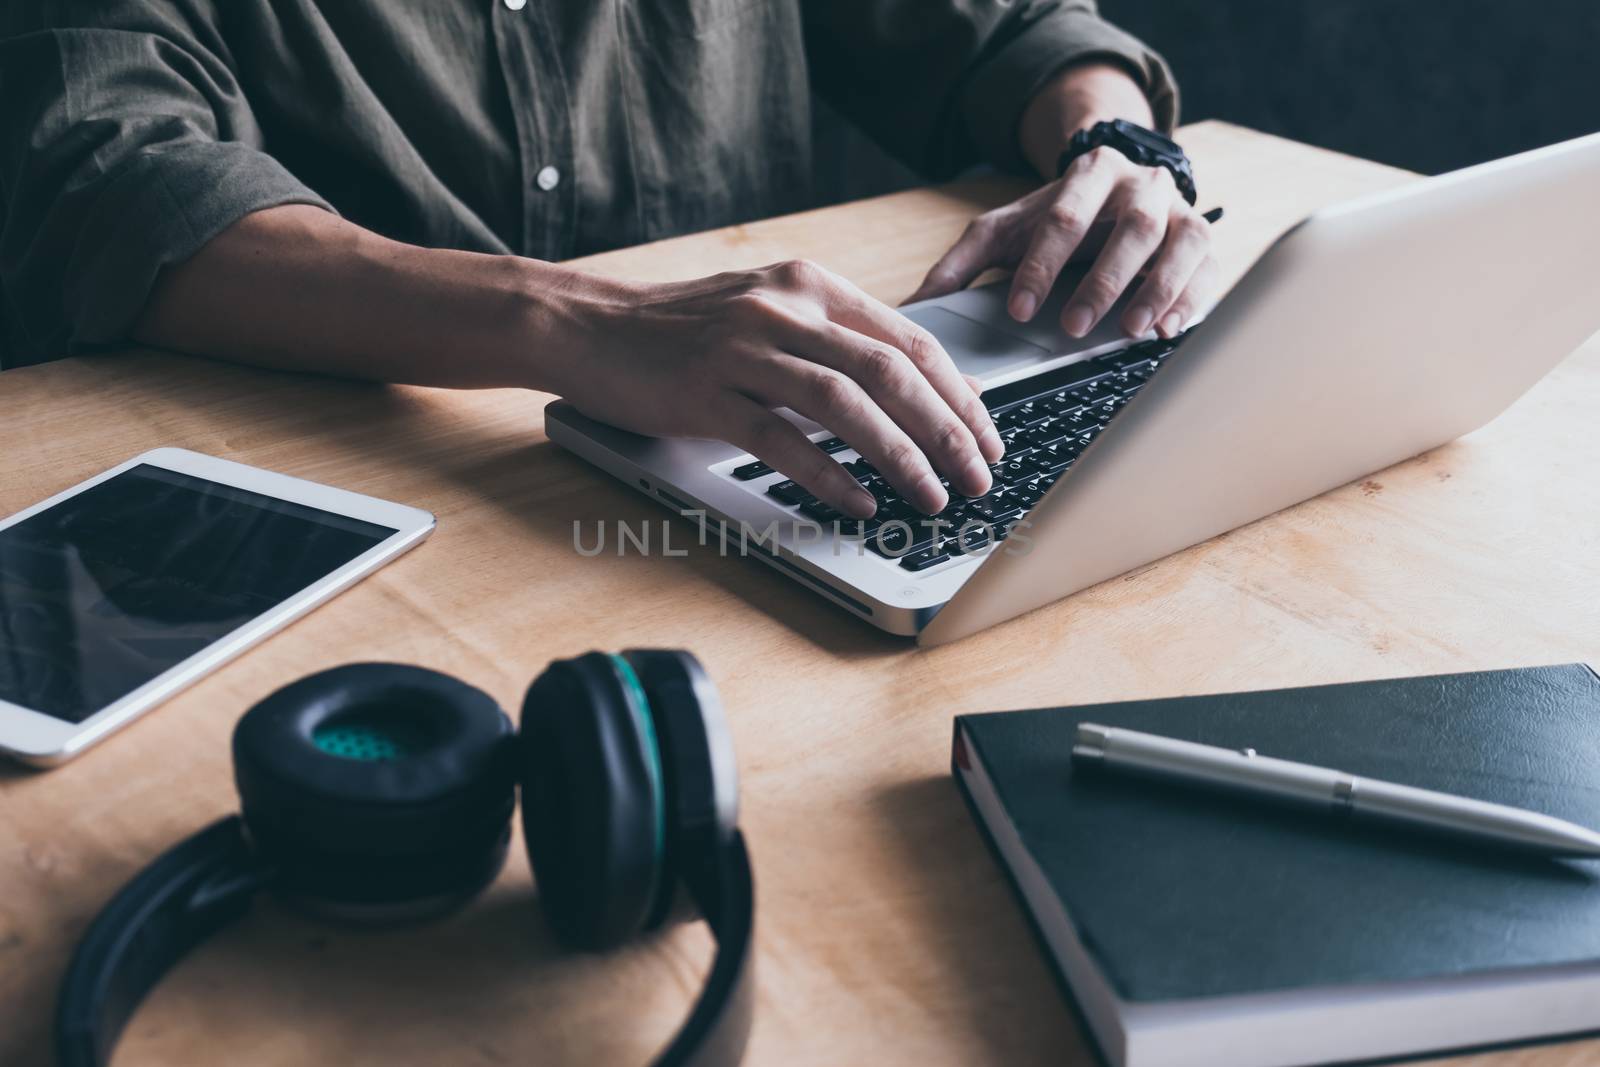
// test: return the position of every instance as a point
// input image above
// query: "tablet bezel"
(43, 740)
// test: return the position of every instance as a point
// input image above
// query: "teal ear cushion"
(593, 807)
(368, 737)
(644, 715)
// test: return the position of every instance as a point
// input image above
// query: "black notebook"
(1198, 928)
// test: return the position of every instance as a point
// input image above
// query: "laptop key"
(1022, 415)
(859, 528)
(861, 469)
(900, 511)
(897, 539)
(1014, 470)
(1081, 421)
(991, 529)
(989, 509)
(1012, 506)
(882, 492)
(921, 560)
(788, 492)
(823, 513)
(751, 470)
(1029, 495)
(1060, 403)
(1124, 359)
(1144, 350)
(1009, 438)
(1047, 433)
(830, 445)
(1047, 461)
(1031, 412)
(976, 538)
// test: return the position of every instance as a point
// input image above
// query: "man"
(383, 189)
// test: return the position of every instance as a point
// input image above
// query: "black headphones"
(379, 793)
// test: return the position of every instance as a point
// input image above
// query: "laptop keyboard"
(1045, 421)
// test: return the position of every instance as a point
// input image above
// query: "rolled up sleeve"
(125, 146)
(943, 83)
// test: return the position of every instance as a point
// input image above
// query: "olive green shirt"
(133, 131)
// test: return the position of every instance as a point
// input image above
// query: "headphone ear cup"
(593, 808)
(380, 792)
(701, 772)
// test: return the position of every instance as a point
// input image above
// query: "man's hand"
(714, 357)
(1126, 217)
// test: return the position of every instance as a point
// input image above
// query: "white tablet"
(121, 591)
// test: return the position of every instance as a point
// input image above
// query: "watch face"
(1148, 138)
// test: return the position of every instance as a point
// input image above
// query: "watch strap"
(1133, 141)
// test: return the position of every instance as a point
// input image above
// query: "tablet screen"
(125, 580)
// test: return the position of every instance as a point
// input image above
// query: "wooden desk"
(887, 934)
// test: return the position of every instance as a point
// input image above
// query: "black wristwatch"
(1145, 147)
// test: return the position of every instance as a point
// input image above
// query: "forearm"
(1079, 96)
(298, 288)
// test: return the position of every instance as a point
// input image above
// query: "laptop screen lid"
(1370, 333)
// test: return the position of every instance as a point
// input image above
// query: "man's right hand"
(299, 288)
(714, 358)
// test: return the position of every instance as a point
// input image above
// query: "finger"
(975, 384)
(906, 395)
(853, 309)
(778, 443)
(1060, 228)
(970, 256)
(834, 400)
(1194, 299)
(1188, 237)
(1141, 225)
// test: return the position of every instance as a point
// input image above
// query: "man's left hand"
(1130, 219)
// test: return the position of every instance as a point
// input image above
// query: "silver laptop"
(1370, 333)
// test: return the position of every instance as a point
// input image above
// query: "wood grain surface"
(887, 934)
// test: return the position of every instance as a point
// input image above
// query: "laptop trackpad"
(979, 350)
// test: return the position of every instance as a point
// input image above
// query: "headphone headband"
(210, 879)
(189, 893)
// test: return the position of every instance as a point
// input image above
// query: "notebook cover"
(1182, 893)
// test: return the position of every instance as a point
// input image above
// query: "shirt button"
(547, 178)
(516, 5)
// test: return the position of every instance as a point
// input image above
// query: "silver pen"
(1241, 770)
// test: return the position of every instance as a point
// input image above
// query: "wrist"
(552, 322)
(1077, 98)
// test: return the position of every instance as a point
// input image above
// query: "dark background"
(1430, 85)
